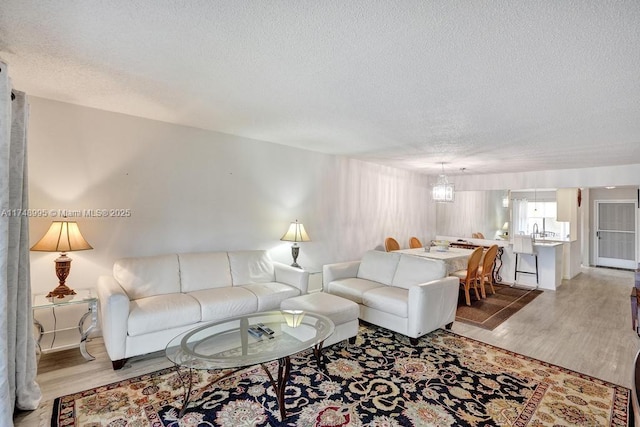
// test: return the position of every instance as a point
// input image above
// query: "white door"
(616, 234)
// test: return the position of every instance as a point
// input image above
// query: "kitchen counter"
(549, 265)
(570, 250)
(547, 243)
(553, 239)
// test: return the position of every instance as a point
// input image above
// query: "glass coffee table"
(249, 340)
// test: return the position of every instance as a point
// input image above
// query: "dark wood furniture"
(635, 397)
(635, 300)
(635, 388)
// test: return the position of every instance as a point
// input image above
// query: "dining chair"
(480, 235)
(469, 277)
(474, 236)
(415, 243)
(485, 271)
(391, 244)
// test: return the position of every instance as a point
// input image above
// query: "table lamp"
(293, 317)
(505, 229)
(296, 233)
(62, 236)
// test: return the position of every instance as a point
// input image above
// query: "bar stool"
(523, 245)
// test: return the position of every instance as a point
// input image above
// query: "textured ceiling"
(490, 86)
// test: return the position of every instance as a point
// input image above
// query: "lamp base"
(63, 266)
(61, 291)
(295, 250)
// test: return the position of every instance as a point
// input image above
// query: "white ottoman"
(341, 311)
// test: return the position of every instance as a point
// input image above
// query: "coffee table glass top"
(249, 339)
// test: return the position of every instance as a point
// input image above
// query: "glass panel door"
(616, 234)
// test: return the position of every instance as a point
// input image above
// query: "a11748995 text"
(66, 213)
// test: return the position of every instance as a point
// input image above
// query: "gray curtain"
(18, 366)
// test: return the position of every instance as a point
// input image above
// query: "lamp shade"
(293, 317)
(62, 236)
(296, 233)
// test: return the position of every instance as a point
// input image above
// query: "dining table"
(454, 258)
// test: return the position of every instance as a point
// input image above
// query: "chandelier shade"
(443, 190)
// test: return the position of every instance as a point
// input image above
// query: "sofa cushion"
(224, 303)
(161, 312)
(413, 270)
(271, 294)
(205, 270)
(148, 276)
(378, 266)
(352, 288)
(251, 267)
(389, 299)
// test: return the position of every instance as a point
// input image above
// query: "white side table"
(83, 296)
(315, 279)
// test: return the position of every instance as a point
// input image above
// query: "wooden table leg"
(189, 387)
(187, 390)
(317, 352)
(280, 383)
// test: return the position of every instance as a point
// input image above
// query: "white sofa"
(150, 300)
(406, 294)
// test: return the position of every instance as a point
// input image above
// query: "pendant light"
(443, 190)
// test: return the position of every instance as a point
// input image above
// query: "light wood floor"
(585, 326)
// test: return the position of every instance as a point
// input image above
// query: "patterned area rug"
(446, 380)
(491, 311)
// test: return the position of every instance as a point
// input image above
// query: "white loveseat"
(404, 293)
(150, 300)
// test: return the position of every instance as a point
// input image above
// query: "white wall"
(472, 212)
(195, 190)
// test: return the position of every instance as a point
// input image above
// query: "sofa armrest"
(292, 276)
(341, 270)
(114, 312)
(432, 305)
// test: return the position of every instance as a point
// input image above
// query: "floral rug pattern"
(380, 381)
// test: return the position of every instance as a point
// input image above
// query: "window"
(541, 221)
